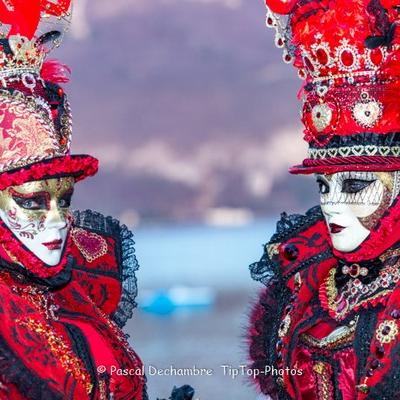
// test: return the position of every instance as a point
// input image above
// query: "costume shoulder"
(294, 252)
(106, 263)
(299, 241)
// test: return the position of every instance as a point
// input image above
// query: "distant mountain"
(188, 106)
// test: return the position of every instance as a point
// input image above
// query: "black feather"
(47, 37)
(373, 42)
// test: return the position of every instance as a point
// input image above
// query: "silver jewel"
(28, 80)
(321, 115)
(322, 90)
(367, 111)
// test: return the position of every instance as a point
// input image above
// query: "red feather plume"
(282, 7)
(24, 15)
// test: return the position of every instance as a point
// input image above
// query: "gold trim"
(331, 341)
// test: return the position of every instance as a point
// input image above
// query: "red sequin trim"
(78, 166)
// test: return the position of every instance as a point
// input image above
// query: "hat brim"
(340, 164)
(77, 166)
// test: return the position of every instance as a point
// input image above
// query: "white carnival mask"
(353, 202)
(37, 213)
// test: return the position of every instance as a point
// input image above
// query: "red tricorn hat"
(35, 116)
(348, 53)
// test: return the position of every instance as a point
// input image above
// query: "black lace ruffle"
(125, 252)
(288, 226)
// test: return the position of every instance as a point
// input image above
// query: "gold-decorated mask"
(37, 213)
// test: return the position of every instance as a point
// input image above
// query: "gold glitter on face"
(37, 213)
(39, 198)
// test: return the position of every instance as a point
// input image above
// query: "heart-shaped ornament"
(332, 152)
(371, 150)
(320, 120)
(396, 151)
(358, 150)
(321, 115)
(344, 151)
(367, 114)
(384, 150)
(91, 245)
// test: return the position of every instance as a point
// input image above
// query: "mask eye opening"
(323, 186)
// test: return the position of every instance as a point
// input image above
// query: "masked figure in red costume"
(327, 325)
(67, 279)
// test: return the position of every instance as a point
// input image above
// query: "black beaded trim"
(361, 139)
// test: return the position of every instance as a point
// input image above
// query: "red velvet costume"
(60, 330)
(291, 324)
(325, 334)
(57, 331)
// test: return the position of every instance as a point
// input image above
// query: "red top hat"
(35, 117)
(348, 53)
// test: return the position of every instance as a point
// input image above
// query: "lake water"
(200, 255)
(206, 337)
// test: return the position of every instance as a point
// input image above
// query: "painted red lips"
(54, 245)
(334, 228)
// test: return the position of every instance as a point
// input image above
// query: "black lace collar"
(24, 276)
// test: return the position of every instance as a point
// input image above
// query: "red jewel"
(290, 252)
(279, 42)
(269, 21)
(322, 56)
(380, 351)
(308, 64)
(302, 74)
(281, 6)
(347, 58)
(288, 58)
(354, 270)
(376, 56)
(60, 92)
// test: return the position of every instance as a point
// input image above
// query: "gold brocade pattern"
(23, 133)
(60, 350)
(28, 133)
(43, 302)
(344, 335)
(323, 380)
(29, 137)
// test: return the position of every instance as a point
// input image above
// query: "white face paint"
(37, 214)
(352, 202)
